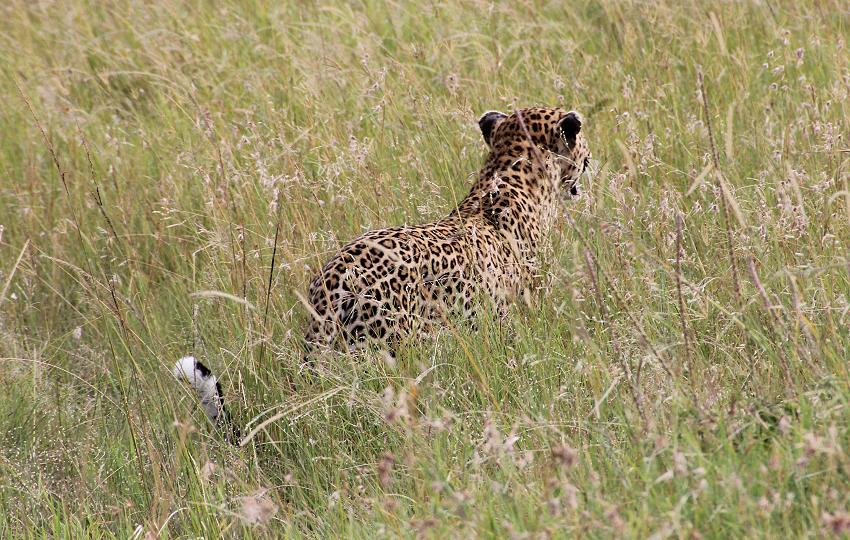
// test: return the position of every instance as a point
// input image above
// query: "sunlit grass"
(681, 372)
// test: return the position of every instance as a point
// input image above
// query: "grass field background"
(681, 372)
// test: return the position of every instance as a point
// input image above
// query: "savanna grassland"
(173, 173)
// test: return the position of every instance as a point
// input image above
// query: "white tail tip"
(203, 381)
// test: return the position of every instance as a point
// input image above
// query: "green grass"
(179, 136)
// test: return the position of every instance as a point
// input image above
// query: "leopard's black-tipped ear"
(570, 126)
(488, 122)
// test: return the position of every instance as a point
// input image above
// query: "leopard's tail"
(202, 380)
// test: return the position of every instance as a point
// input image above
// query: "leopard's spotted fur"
(390, 283)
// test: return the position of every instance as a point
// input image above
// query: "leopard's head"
(556, 133)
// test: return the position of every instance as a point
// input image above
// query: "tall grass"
(682, 371)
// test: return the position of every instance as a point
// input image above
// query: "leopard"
(391, 284)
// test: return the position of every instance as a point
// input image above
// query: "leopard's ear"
(570, 125)
(488, 122)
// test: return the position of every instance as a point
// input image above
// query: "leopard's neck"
(515, 194)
